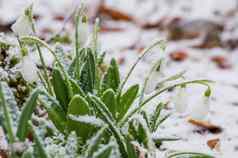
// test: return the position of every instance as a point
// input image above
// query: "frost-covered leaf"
(88, 72)
(87, 119)
(60, 88)
(94, 142)
(79, 106)
(109, 100)
(127, 99)
(104, 152)
(8, 106)
(105, 115)
(39, 148)
(112, 77)
(22, 129)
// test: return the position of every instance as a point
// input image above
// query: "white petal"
(84, 33)
(201, 109)
(152, 82)
(22, 26)
(180, 100)
(28, 69)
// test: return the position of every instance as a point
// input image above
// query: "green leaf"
(38, 146)
(22, 129)
(55, 111)
(127, 99)
(109, 100)
(76, 88)
(5, 103)
(112, 77)
(155, 117)
(189, 155)
(60, 88)
(79, 106)
(131, 150)
(94, 143)
(88, 72)
(105, 115)
(57, 116)
(104, 152)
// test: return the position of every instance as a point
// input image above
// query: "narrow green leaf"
(131, 150)
(78, 106)
(8, 122)
(156, 115)
(88, 72)
(103, 112)
(26, 113)
(76, 88)
(127, 99)
(109, 100)
(38, 145)
(60, 88)
(104, 152)
(112, 77)
(94, 142)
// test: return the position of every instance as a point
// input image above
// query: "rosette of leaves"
(108, 119)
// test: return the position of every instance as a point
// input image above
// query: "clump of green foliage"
(90, 114)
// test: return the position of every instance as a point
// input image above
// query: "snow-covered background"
(127, 38)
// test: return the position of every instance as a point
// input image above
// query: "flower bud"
(22, 26)
(180, 99)
(201, 109)
(28, 69)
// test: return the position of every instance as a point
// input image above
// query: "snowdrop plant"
(88, 106)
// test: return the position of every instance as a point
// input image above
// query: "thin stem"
(146, 81)
(39, 41)
(189, 153)
(137, 61)
(49, 87)
(201, 82)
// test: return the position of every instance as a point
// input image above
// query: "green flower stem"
(39, 41)
(189, 153)
(77, 43)
(201, 82)
(138, 60)
(49, 86)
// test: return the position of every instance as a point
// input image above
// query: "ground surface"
(125, 40)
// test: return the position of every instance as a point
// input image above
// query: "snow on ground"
(224, 104)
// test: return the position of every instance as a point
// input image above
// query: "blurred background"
(202, 38)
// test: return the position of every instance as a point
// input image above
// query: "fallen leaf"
(59, 17)
(221, 62)
(121, 60)
(114, 13)
(205, 125)
(105, 29)
(213, 143)
(178, 55)
(3, 154)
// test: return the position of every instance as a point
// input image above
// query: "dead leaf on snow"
(205, 125)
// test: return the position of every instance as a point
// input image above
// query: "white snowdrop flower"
(154, 77)
(201, 109)
(28, 69)
(84, 32)
(22, 26)
(180, 99)
(152, 82)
